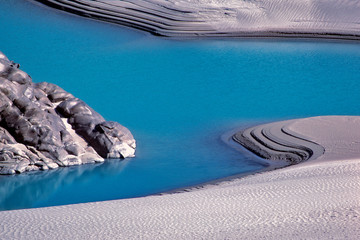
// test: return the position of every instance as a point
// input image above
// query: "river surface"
(176, 97)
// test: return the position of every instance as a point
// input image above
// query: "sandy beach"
(224, 18)
(317, 199)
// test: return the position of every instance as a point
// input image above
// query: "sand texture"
(274, 141)
(317, 199)
(336, 19)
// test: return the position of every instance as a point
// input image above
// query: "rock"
(121, 140)
(7, 171)
(54, 93)
(5, 137)
(109, 139)
(43, 127)
(31, 168)
(52, 165)
(22, 166)
(44, 167)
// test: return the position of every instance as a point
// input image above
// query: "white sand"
(279, 15)
(339, 135)
(319, 199)
(227, 18)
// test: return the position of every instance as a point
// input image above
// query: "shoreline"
(180, 22)
(317, 199)
(228, 139)
(276, 142)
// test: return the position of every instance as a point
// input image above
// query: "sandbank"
(315, 199)
(336, 19)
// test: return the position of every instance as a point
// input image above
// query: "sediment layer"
(220, 19)
(275, 141)
(143, 15)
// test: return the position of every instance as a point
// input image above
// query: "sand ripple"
(336, 19)
(318, 199)
(274, 141)
(308, 202)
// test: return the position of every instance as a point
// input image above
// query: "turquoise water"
(177, 97)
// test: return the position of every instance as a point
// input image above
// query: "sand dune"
(336, 19)
(316, 199)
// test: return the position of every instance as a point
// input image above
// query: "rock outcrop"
(43, 127)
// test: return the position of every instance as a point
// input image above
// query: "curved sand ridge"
(144, 15)
(318, 199)
(275, 141)
(337, 19)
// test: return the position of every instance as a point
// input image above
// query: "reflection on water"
(32, 188)
(176, 97)
(188, 159)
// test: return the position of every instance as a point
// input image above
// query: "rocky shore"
(43, 127)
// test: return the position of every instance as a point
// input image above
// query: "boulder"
(43, 127)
